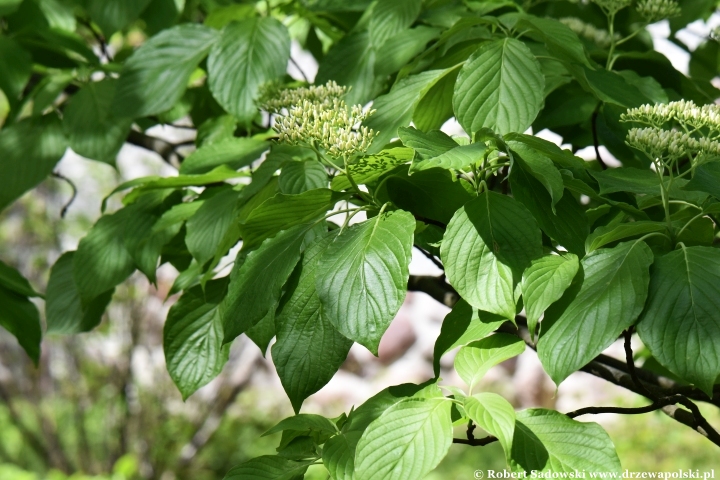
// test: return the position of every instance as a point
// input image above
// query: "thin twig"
(596, 142)
(292, 60)
(631, 362)
(431, 257)
(74, 193)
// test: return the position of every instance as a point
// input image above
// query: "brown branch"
(596, 142)
(165, 149)
(436, 287)
(630, 360)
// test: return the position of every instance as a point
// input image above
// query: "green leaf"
(20, 317)
(426, 145)
(263, 332)
(268, 467)
(395, 108)
(299, 177)
(29, 150)
(16, 65)
(628, 179)
(156, 74)
(461, 326)
(193, 338)
(304, 422)
(64, 311)
(256, 283)
(233, 152)
(499, 87)
(559, 39)
(283, 211)
(612, 296)
(350, 62)
(407, 441)
(362, 277)
(495, 415)
(338, 455)
(706, 178)
(248, 54)
(401, 48)
(12, 280)
(612, 233)
(568, 224)
(680, 324)
(564, 159)
(487, 245)
(371, 167)
(544, 282)
(546, 440)
(609, 86)
(387, 19)
(475, 359)
(436, 149)
(92, 128)
(309, 350)
(540, 167)
(114, 15)
(102, 261)
(435, 106)
(206, 229)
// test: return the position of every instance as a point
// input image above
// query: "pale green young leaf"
(544, 282)
(475, 359)
(612, 296)
(193, 337)
(499, 87)
(362, 277)
(495, 415)
(464, 324)
(248, 54)
(680, 324)
(407, 441)
(338, 455)
(156, 74)
(548, 441)
(371, 167)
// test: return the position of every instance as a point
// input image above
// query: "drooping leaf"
(407, 441)
(12, 280)
(544, 282)
(156, 74)
(499, 87)
(540, 167)
(680, 324)
(362, 277)
(495, 415)
(464, 324)
(193, 337)
(91, 126)
(487, 245)
(268, 467)
(263, 332)
(29, 151)
(233, 152)
(20, 317)
(309, 350)
(256, 283)
(64, 311)
(546, 440)
(475, 359)
(612, 296)
(248, 54)
(16, 65)
(206, 229)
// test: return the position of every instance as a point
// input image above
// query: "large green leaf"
(256, 283)
(706, 178)
(16, 65)
(559, 39)
(540, 167)
(362, 277)
(612, 233)
(91, 126)
(114, 15)
(351, 62)
(499, 87)
(487, 245)
(395, 108)
(268, 467)
(193, 337)
(283, 211)
(207, 228)
(309, 350)
(612, 296)
(299, 177)
(304, 422)
(464, 324)
(338, 455)
(495, 415)
(64, 311)
(248, 54)
(20, 317)
(233, 152)
(475, 359)
(156, 74)
(546, 440)
(544, 282)
(12, 280)
(680, 324)
(29, 151)
(407, 441)
(387, 19)
(436, 149)
(401, 48)
(371, 167)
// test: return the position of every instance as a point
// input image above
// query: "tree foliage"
(281, 167)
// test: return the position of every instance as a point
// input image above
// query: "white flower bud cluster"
(598, 36)
(319, 116)
(684, 112)
(656, 10)
(611, 7)
(671, 144)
